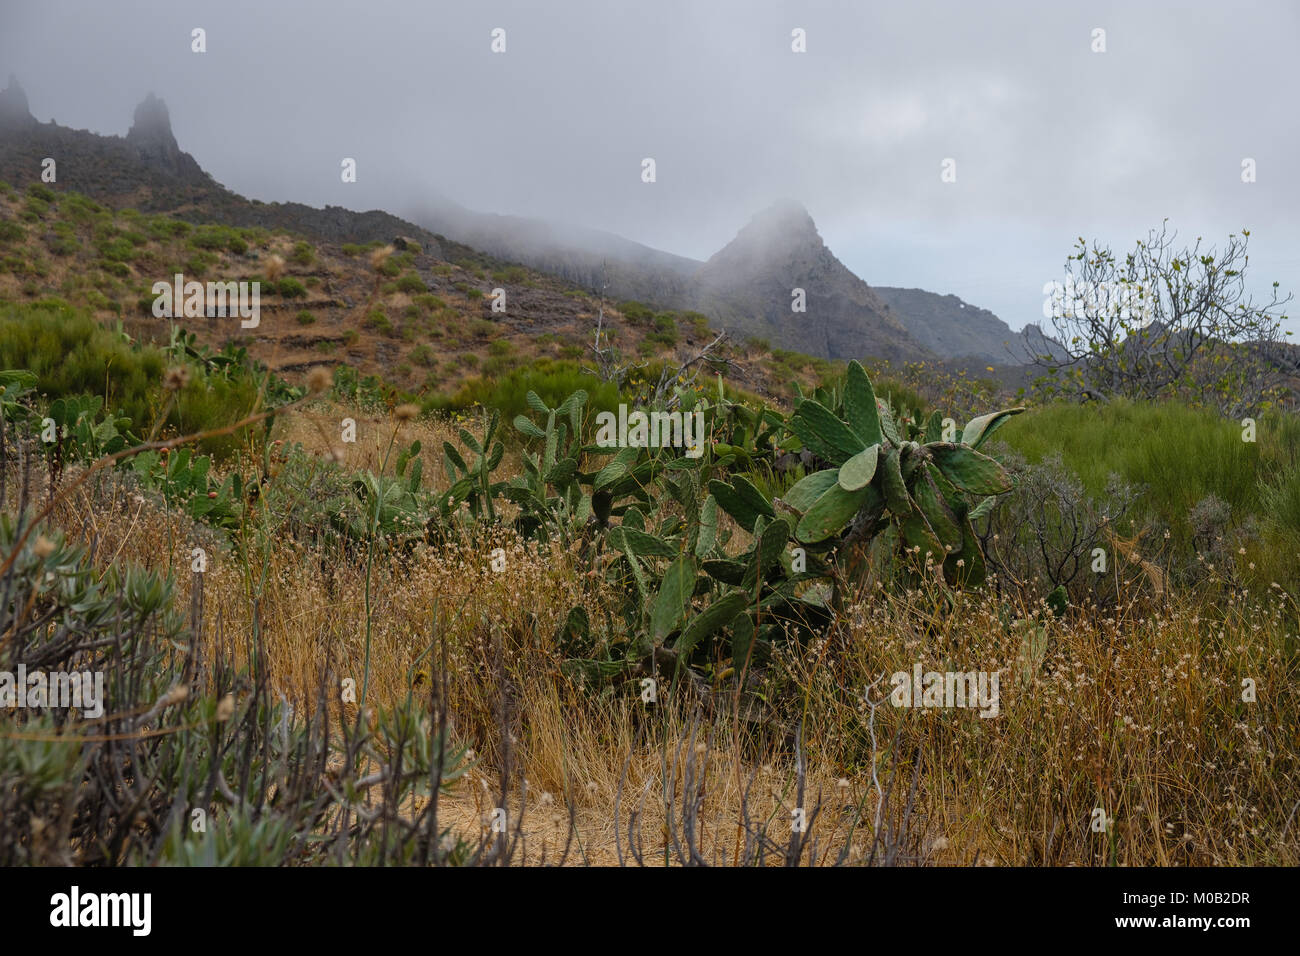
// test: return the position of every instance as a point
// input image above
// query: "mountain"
(148, 170)
(365, 289)
(747, 286)
(591, 258)
(950, 327)
(750, 284)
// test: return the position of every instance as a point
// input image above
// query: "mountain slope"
(749, 285)
(591, 258)
(948, 326)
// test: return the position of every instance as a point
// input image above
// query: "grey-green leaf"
(858, 471)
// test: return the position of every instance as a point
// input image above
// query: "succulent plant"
(880, 478)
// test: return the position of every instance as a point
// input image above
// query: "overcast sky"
(1051, 140)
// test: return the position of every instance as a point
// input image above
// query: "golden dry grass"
(1136, 712)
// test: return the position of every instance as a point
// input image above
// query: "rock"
(14, 113)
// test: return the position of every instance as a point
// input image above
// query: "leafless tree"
(1164, 321)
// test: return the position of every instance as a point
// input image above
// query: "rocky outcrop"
(14, 114)
(750, 284)
(151, 136)
(950, 327)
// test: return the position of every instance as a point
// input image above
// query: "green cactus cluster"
(690, 600)
(880, 474)
(715, 568)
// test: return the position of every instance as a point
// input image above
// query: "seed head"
(177, 377)
(319, 379)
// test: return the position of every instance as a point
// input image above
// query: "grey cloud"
(1051, 140)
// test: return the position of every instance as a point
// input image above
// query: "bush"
(635, 313)
(410, 282)
(72, 355)
(553, 380)
(117, 250)
(305, 317)
(211, 238)
(511, 274)
(302, 254)
(377, 320)
(199, 264)
(291, 288)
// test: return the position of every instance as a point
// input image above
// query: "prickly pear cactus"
(927, 489)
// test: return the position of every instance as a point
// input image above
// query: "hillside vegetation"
(471, 635)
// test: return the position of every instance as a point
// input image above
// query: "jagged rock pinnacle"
(151, 134)
(13, 106)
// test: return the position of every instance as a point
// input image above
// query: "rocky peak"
(751, 284)
(151, 135)
(152, 125)
(13, 106)
(782, 233)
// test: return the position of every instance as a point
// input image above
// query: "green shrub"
(305, 317)
(351, 249)
(81, 209)
(211, 238)
(291, 288)
(302, 254)
(1181, 458)
(410, 282)
(553, 380)
(199, 264)
(11, 231)
(511, 274)
(635, 313)
(72, 355)
(377, 320)
(117, 250)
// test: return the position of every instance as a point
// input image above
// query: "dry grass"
(1137, 711)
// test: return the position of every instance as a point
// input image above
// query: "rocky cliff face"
(148, 170)
(151, 136)
(147, 161)
(749, 285)
(950, 327)
(14, 114)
